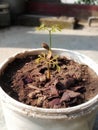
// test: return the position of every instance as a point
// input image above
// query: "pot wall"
(18, 121)
(23, 117)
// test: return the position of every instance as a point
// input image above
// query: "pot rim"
(72, 112)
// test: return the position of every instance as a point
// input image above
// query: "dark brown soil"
(26, 81)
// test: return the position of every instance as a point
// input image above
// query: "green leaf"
(41, 27)
(37, 60)
(55, 57)
(58, 68)
(43, 54)
(59, 29)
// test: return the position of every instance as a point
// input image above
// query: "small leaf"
(37, 60)
(39, 56)
(41, 27)
(55, 57)
(43, 55)
(44, 45)
(58, 68)
(58, 28)
(53, 65)
(55, 28)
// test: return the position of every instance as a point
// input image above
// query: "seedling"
(53, 28)
(48, 58)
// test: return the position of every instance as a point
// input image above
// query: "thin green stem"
(50, 40)
(48, 73)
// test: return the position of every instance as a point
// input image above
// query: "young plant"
(53, 28)
(48, 58)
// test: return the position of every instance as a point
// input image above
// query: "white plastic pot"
(19, 116)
